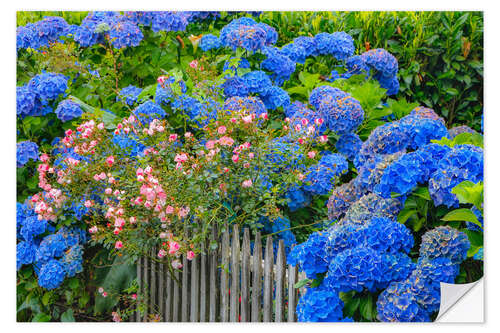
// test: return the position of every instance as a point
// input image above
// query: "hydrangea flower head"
(25, 151)
(209, 42)
(68, 110)
(445, 242)
(320, 178)
(319, 305)
(51, 274)
(129, 94)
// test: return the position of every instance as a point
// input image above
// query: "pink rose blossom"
(318, 121)
(247, 119)
(210, 144)
(172, 137)
(162, 253)
(104, 294)
(190, 255)
(173, 247)
(251, 155)
(176, 264)
(235, 158)
(323, 139)
(88, 203)
(221, 130)
(110, 160)
(193, 64)
(118, 245)
(301, 176)
(44, 158)
(100, 290)
(108, 191)
(93, 230)
(247, 183)
(226, 141)
(311, 154)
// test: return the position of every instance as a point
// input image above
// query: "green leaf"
(41, 317)
(422, 192)
(366, 308)
(301, 283)
(475, 237)
(461, 214)
(405, 214)
(351, 306)
(68, 316)
(469, 193)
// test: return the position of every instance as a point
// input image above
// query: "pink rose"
(176, 264)
(93, 230)
(118, 245)
(247, 183)
(235, 158)
(193, 64)
(173, 247)
(323, 139)
(221, 130)
(88, 203)
(226, 141)
(110, 160)
(311, 154)
(190, 255)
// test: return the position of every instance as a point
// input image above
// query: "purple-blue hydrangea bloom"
(129, 94)
(297, 198)
(312, 255)
(295, 52)
(275, 97)
(341, 199)
(320, 178)
(25, 253)
(247, 105)
(68, 110)
(25, 151)
(320, 305)
(48, 86)
(279, 64)
(307, 43)
(445, 242)
(209, 42)
(148, 111)
(51, 274)
(257, 82)
(349, 145)
(397, 303)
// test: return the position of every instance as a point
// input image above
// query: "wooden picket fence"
(228, 284)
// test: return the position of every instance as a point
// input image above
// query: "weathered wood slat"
(176, 304)
(185, 290)
(141, 283)
(257, 278)
(224, 278)
(161, 290)
(245, 277)
(268, 280)
(213, 283)
(292, 292)
(280, 283)
(235, 275)
(152, 285)
(203, 284)
(195, 290)
(146, 287)
(169, 296)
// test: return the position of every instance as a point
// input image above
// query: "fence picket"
(185, 290)
(235, 275)
(224, 278)
(292, 292)
(203, 283)
(280, 283)
(168, 299)
(176, 299)
(146, 287)
(161, 290)
(245, 277)
(140, 282)
(213, 262)
(195, 290)
(257, 278)
(152, 283)
(268, 280)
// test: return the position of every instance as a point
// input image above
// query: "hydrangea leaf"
(461, 214)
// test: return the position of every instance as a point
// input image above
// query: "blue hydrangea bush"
(133, 125)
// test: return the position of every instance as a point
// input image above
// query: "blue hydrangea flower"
(129, 145)
(342, 115)
(356, 65)
(370, 173)
(148, 111)
(425, 281)
(334, 75)
(257, 82)
(42, 33)
(462, 162)
(321, 93)
(48, 86)
(479, 254)
(371, 205)
(247, 105)
(25, 151)
(397, 303)
(281, 66)
(209, 42)
(27, 37)
(349, 145)
(51, 274)
(198, 112)
(307, 43)
(124, 33)
(72, 260)
(390, 84)
(245, 33)
(341, 199)
(320, 177)
(169, 21)
(454, 131)
(52, 246)
(129, 94)
(68, 110)
(275, 98)
(319, 305)
(445, 242)
(312, 255)
(166, 93)
(280, 227)
(297, 198)
(338, 44)
(27, 103)
(295, 52)
(381, 61)
(25, 253)
(422, 130)
(235, 86)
